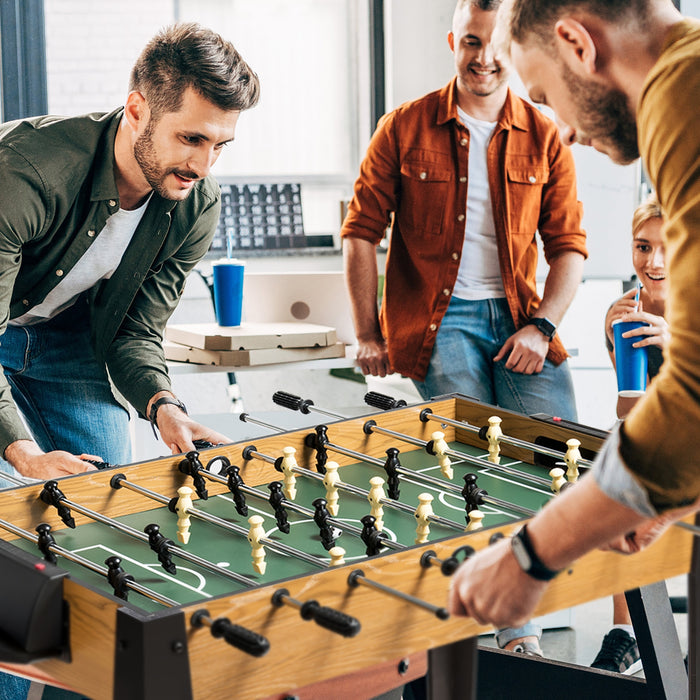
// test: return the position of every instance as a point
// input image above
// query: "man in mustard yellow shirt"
(623, 76)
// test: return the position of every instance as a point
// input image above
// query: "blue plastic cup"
(630, 362)
(228, 291)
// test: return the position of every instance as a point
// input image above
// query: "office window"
(309, 55)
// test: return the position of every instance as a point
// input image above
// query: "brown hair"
(524, 20)
(647, 210)
(188, 55)
(488, 5)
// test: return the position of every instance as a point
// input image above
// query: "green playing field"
(231, 550)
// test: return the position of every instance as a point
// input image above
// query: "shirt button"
(455, 256)
(423, 175)
(446, 292)
(25, 302)
(463, 179)
(532, 179)
(59, 273)
(91, 233)
(463, 142)
(460, 217)
(112, 203)
(433, 327)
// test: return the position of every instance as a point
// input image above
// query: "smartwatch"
(527, 558)
(153, 413)
(543, 325)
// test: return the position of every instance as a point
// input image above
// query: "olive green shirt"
(661, 439)
(57, 191)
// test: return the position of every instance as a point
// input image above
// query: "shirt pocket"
(424, 191)
(525, 183)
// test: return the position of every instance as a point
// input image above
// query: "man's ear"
(136, 110)
(576, 46)
(451, 41)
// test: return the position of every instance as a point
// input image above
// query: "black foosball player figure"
(391, 467)
(277, 501)
(161, 546)
(321, 518)
(234, 482)
(371, 536)
(318, 442)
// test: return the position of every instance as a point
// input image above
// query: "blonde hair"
(647, 210)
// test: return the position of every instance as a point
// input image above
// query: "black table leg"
(452, 671)
(657, 637)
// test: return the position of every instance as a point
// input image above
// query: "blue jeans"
(470, 336)
(62, 392)
(65, 398)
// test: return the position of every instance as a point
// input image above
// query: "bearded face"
(604, 118)
(157, 175)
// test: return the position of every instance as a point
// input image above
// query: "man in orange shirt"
(469, 173)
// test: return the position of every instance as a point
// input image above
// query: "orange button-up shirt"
(416, 170)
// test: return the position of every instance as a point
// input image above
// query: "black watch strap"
(153, 413)
(527, 558)
(544, 326)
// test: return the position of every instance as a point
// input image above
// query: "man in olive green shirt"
(101, 219)
(613, 70)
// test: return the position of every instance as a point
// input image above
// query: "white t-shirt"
(98, 262)
(479, 275)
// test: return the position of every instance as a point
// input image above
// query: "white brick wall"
(91, 47)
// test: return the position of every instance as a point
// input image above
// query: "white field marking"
(153, 569)
(495, 474)
(390, 533)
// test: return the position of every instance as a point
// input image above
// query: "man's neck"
(131, 184)
(485, 108)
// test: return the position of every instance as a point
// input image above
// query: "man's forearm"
(360, 259)
(578, 521)
(565, 275)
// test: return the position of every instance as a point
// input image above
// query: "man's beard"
(145, 154)
(604, 116)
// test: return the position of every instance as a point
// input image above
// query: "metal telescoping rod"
(220, 522)
(350, 488)
(174, 549)
(516, 442)
(291, 505)
(463, 456)
(432, 481)
(96, 568)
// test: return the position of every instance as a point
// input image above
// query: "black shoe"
(619, 653)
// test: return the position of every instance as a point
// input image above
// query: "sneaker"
(528, 648)
(619, 653)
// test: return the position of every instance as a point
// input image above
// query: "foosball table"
(301, 560)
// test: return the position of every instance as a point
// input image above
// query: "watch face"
(520, 553)
(544, 325)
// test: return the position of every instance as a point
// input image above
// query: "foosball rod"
(426, 414)
(54, 548)
(421, 478)
(358, 578)
(385, 402)
(250, 451)
(136, 534)
(17, 480)
(351, 488)
(305, 406)
(120, 481)
(371, 426)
